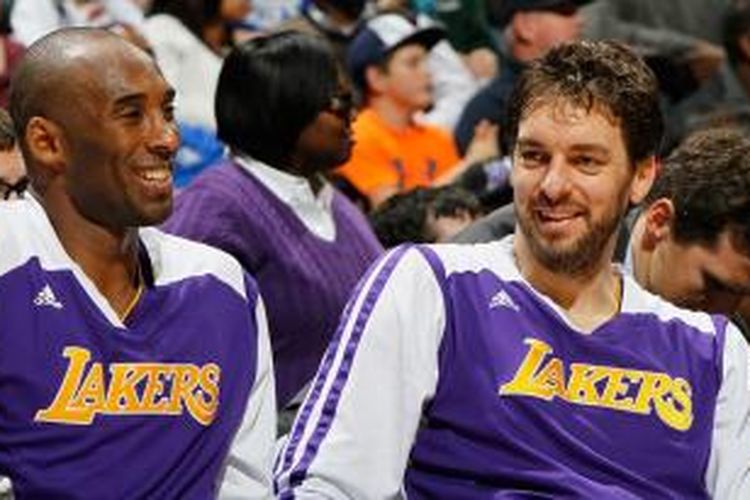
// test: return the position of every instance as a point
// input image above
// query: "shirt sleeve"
(247, 468)
(728, 473)
(354, 433)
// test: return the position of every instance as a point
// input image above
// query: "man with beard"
(134, 364)
(532, 365)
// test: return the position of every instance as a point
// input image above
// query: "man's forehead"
(567, 110)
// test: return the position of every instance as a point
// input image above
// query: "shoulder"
(25, 233)
(176, 259)
(638, 301)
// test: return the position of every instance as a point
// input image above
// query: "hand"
(704, 60)
(484, 143)
(482, 63)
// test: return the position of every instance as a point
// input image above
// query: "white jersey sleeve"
(728, 472)
(247, 468)
(354, 433)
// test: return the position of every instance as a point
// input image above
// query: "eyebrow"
(128, 99)
(580, 148)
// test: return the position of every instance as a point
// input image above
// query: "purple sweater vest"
(304, 280)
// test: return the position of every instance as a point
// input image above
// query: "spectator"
(285, 111)
(531, 28)
(32, 19)
(122, 338)
(424, 215)
(13, 179)
(393, 152)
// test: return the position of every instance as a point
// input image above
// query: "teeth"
(159, 175)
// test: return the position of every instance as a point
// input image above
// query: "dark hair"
(707, 178)
(194, 14)
(403, 218)
(7, 132)
(735, 24)
(270, 88)
(603, 74)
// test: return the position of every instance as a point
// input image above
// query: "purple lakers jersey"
(153, 407)
(452, 377)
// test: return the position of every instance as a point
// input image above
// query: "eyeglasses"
(341, 104)
(18, 188)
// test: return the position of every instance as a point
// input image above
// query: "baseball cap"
(382, 35)
(509, 7)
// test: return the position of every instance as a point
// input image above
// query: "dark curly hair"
(602, 74)
(707, 178)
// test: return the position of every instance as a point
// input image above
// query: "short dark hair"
(590, 74)
(270, 88)
(194, 14)
(403, 218)
(735, 24)
(7, 132)
(707, 178)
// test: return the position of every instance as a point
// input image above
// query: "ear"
(524, 26)
(45, 144)
(645, 173)
(658, 222)
(377, 79)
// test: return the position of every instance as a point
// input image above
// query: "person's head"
(584, 124)
(348, 11)
(283, 100)
(94, 120)
(388, 60)
(696, 219)
(13, 180)
(736, 32)
(535, 26)
(424, 215)
(198, 15)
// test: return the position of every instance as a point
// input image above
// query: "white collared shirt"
(315, 212)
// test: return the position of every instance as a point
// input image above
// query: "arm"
(354, 433)
(728, 473)
(247, 468)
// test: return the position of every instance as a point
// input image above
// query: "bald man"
(133, 364)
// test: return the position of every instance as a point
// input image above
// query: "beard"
(579, 256)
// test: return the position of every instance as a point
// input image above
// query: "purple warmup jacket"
(304, 280)
(94, 407)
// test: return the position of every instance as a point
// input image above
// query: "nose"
(165, 138)
(555, 184)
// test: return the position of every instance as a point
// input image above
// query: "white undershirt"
(315, 212)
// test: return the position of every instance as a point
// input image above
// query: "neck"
(588, 299)
(214, 35)
(394, 114)
(108, 257)
(641, 257)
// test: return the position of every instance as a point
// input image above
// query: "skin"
(12, 168)
(712, 277)
(104, 163)
(326, 142)
(535, 32)
(572, 182)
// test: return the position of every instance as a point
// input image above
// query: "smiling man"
(135, 364)
(533, 366)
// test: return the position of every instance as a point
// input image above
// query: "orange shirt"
(384, 157)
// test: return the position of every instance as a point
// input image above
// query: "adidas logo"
(46, 297)
(502, 299)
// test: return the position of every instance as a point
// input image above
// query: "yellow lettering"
(616, 388)
(154, 400)
(551, 380)
(523, 383)
(582, 384)
(676, 408)
(62, 408)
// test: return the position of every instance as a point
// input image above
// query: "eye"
(587, 163)
(131, 113)
(533, 157)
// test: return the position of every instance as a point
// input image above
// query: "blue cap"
(380, 36)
